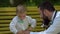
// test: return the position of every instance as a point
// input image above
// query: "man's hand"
(20, 32)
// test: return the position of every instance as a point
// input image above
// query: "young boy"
(20, 23)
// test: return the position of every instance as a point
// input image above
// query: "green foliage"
(6, 3)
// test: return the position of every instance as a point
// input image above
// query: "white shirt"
(54, 28)
(16, 24)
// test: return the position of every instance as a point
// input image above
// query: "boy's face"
(21, 12)
(21, 15)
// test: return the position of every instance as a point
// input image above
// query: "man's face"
(44, 12)
(41, 13)
(45, 16)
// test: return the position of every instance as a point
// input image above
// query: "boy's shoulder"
(28, 17)
(15, 18)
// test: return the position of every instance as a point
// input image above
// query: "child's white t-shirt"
(19, 25)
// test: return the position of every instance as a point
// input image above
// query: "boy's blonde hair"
(21, 9)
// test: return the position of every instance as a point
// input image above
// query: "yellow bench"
(7, 13)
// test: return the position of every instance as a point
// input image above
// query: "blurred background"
(8, 11)
(13, 3)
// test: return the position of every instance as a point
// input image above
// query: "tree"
(16, 2)
(4, 3)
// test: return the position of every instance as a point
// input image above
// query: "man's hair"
(20, 7)
(46, 5)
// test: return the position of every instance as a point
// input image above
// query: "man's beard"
(46, 21)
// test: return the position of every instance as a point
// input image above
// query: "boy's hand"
(20, 32)
(30, 28)
(26, 32)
